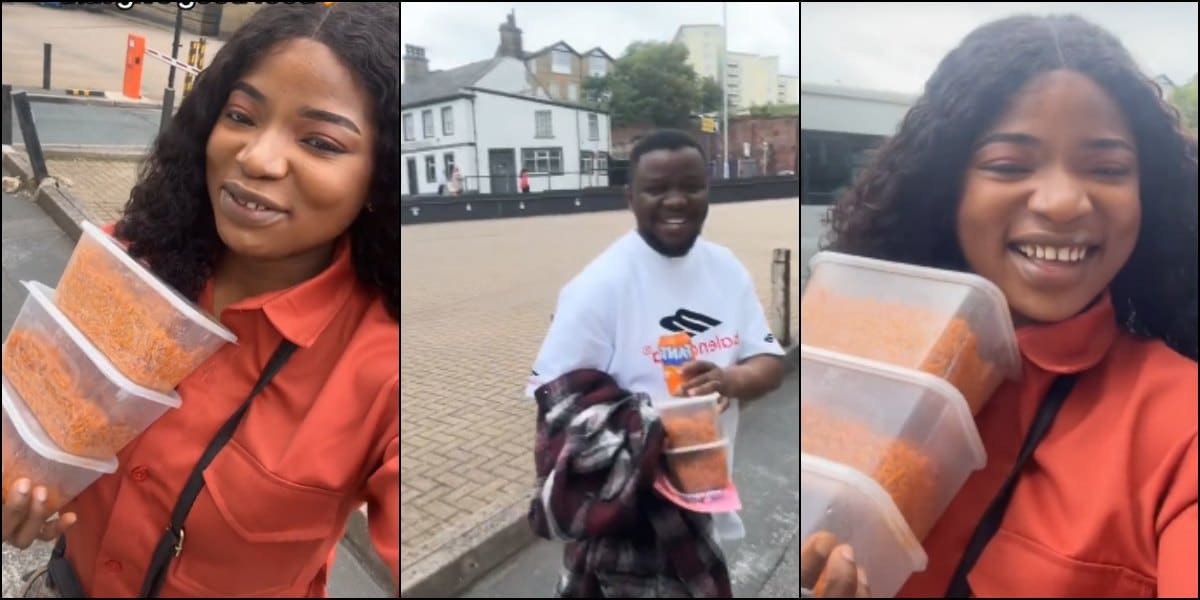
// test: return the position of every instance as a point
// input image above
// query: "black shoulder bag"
(62, 575)
(1059, 390)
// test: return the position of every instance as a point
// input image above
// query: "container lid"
(179, 302)
(678, 401)
(41, 294)
(1001, 319)
(815, 466)
(35, 437)
(698, 447)
(873, 368)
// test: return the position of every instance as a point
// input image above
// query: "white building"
(752, 79)
(491, 119)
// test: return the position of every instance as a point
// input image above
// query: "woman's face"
(290, 158)
(1050, 209)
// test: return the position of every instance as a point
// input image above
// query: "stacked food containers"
(895, 361)
(696, 448)
(91, 366)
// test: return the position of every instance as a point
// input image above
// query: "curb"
(452, 570)
(61, 151)
(357, 538)
(113, 99)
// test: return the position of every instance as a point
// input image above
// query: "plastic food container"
(78, 397)
(153, 335)
(909, 431)
(689, 421)
(838, 500)
(29, 453)
(953, 325)
(698, 469)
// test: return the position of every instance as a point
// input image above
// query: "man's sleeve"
(755, 334)
(580, 337)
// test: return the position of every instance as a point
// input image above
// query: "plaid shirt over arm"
(597, 453)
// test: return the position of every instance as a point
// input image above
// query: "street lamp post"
(724, 90)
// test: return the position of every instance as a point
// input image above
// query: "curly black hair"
(169, 222)
(903, 206)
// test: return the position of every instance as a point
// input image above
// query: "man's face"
(669, 198)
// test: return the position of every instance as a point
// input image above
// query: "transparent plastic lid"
(931, 383)
(680, 401)
(36, 439)
(42, 295)
(815, 466)
(697, 448)
(998, 317)
(179, 302)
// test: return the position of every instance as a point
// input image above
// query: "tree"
(1184, 99)
(650, 83)
(596, 91)
(710, 95)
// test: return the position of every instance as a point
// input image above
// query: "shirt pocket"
(1015, 567)
(252, 533)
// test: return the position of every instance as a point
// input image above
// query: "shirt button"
(113, 566)
(140, 473)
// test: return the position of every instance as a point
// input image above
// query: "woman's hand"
(829, 570)
(25, 516)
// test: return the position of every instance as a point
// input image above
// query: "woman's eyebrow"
(306, 112)
(1023, 139)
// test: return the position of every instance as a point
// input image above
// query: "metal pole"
(725, 89)
(45, 66)
(167, 108)
(7, 116)
(33, 147)
(175, 46)
(781, 294)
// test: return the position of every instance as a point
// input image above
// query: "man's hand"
(829, 570)
(701, 378)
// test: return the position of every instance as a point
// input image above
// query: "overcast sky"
(457, 33)
(897, 46)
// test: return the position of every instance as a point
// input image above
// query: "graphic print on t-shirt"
(689, 321)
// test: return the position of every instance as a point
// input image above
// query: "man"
(662, 279)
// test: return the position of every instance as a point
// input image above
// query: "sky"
(896, 46)
(456, 33)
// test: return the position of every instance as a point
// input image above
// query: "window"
(562, 62)
(601, 162)
(427, 122)
(448, 120)
(558, 91)
(448, 164)
(543, 127)
(830, 163)
(409, 132)
(572, 92)
(593, 126)
(585, 161)
(542, 160)
(597, 66)
(431, 168)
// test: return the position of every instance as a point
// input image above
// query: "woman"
(524, 181)
(272, 201)
(455, 187)
(1041, 158)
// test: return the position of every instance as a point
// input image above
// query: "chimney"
(510, 39)
(416, 65)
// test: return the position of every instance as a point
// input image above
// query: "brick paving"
(477, 298)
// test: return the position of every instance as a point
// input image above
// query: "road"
(91, 125)
(767, 473)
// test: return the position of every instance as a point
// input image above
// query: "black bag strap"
(1059, 390)
(171, 543)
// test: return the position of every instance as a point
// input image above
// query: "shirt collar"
(1073, 345)
(302, 312)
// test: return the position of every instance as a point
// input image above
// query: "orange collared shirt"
(318, 442)
(1106, 506)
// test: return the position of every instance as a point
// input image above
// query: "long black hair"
(169, 220)
(903, 206)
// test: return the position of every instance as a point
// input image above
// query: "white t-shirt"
(610, 316)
